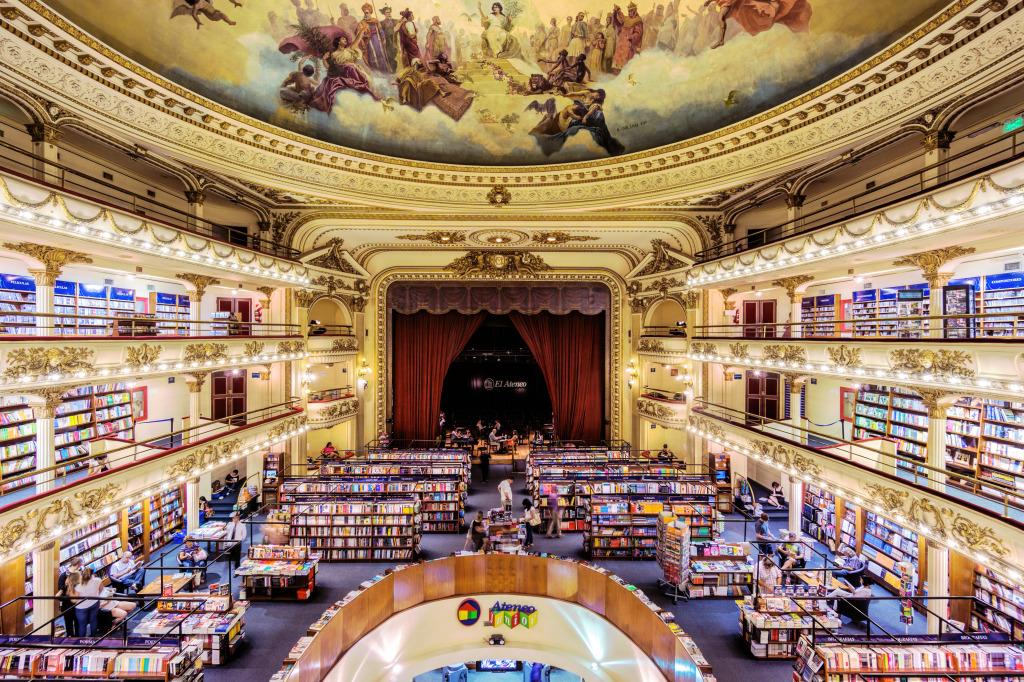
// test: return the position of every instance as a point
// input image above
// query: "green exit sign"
(1014, 124)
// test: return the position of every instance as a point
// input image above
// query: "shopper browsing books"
(87, 611)
(192, 555)
(531, 519)
(127, 574)
(763, 534)
(67, 605)
(555, 526)
(505, 490)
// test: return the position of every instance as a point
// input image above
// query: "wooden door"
(241, 307)
(762, 396)
(228, 396)
(757, 312)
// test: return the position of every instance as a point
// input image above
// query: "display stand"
(213, 619)
(274, 572)
(25, 660)
(719, 569)
(673, 555)
(772, 626)
(503, 532)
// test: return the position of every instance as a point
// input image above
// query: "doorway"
(241, 307)
(762, 396)
(757, 312)
(228, 396)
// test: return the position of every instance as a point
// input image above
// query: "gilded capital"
(267, 291)
(304, 298)
(199, 284)
(195, 381)
(52, 399)
(44, 132)
(937, 140)
(933, 401)
(930, 262)
(44, 278)
(195, 197)
(52, 258)
(790, 284)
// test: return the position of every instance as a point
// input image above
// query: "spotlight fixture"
(496, 640)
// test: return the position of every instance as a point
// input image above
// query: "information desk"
(477, 574)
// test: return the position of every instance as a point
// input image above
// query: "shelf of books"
(17, 305)
(850, 527)
(723, 482)
(278, 572)
(959, 657)
(272, 474)
(451, 457)
(673, 554)
(719, 569)
(166, 517)
(212, 619)
(17, 443)
(169, 663)
(887, 543)
(818, 515)
(96, 544)
(820, 310)
(352, 521)
(172, 311)
(998, 605)
(1003, 295)
(91, 412)
(772, 626)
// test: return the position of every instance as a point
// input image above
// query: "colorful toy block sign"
(512, 615)
(469, 612)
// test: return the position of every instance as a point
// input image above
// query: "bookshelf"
(17, 305)
(17, 443)
(172, 312)
(89, 412)
(998, 605)
(673, 554)
(819, 515)
(276, 572)
(885, 543)
(213, 622)
(169, 663)
(720, 569)
(772, 626)
(1003, 294)
(723, 483)
(851, 526)
(96, 544)
(821, 311)
(166, 517)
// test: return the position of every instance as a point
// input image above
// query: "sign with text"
(512, 615)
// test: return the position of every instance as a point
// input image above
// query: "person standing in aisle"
(763, 534)
(478, 531)
(67, 606)
(531, 519)
(235, 531)
(87, 611)
(505, 490)
(555, 525)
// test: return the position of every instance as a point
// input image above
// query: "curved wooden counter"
(478, 574)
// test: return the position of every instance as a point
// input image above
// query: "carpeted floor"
(273, 627)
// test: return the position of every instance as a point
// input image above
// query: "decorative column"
(938, 584)
(265, 303)
(195, 381)
(53, 261)
(794, 206)
(195, 199)
(196, 285)
(45, 457)
(929, 262)
(191, 505)
(45, 138)
(796, 503)
(936, 150)
(44, 583)
(932, 400)
(796, 386)
(794, 287)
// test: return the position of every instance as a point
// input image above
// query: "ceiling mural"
(522, 82)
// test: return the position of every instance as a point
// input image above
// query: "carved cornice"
(333, 258)
(938, 363)
(790, 284)
(142, 355)
(497, 264)
(200, 353)
(561, 237)
(662, 261)
(343, 345)
(67, 512)
(437, 237)
(40, 362)
(198, 283)
(52, 258)
(930, 262)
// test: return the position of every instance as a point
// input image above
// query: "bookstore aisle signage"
(512, 615)
(468, 612)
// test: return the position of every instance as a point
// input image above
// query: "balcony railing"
(330, 394)
(317, 329)
(120, 455)
(981, 493)
(986, 327)
(911, 179)
(34, 168)
(14, 323)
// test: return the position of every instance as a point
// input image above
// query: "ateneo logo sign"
(469, 612)
(490, 384)
(512, 615)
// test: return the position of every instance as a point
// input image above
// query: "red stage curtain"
(570, 352)
(424, 347)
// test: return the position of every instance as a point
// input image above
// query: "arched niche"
(665, 313)
(330, 311)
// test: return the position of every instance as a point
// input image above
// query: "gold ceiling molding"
(663, 285)
(844, 356)
(199, 284)
(784, 353)
(334, 258)
(931, 261)
(143, 355)
(653, 410)
(662, 260)
(939, 363)
(437, 237)
(497, 264)
(499, 196)
(342, 345)
(52, 258)
(561, 237)
(948, 524)
(377, 175)
(650, 346)
(204, 352)
(790, 284)
(740, 350)
(39, 362)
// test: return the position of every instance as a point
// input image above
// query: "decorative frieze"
(40, 362)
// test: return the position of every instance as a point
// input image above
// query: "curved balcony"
(331, 343)
(988, 525)
(330, 407)
(662, 408)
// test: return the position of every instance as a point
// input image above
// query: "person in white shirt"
(234, 531)
(87, 611)
(505, 490)
(861, 591)
(127, 574)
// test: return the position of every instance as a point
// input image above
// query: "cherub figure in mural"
(630, 30)
(194, 8)
(757, 16)
(586, 113)
(297, 89)
(497, 39)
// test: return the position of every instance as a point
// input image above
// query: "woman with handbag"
(531, 520)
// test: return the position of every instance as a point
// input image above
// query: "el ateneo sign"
(491, 384)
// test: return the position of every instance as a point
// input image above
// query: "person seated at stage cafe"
(496, 441)
(791, 553)
(851, 564)
(665, 455)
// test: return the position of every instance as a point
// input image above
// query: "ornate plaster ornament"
(703, 348)
(786, 353)
(640, 305)
(140, 356)
(844, 356)
(727, 292)
(333, 258)
(939, 363)
(192, 463)
(305, 297)
(740, 350)
(254, 348)
(691, 299)
(790, 284)
(344, 408)
(341, 345)
(662, 261)
(708, 426)
(22, 362)
(286, 426)
(663, 285)
(204, 352)
(653, 410)
(199, 283)
(267, 291)
(499, 196)
(561, 237)
(931, 261)
(285, 347)
(936, 401)
(786, 458)
(498, 264)
(71, 510)
(330, 282)
(195, 381)
(52, 258)
(650, 346)
(437, 237)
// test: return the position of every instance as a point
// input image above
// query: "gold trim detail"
(342, 345)
(790, 284)
(499, 196)
(938, 363)
(561, 237)
(740, 351)
(338, 410)
(199, 283)
(650, 346)
(285, 347)
(701, 348)
(22, 362)
(305, 298)
(785, 353)
(497, 264)
(785, 458)
(52, 258)
(437, 237)
(334, 258)
(844, 356)
(662, 260)
(653, 410)
(191, 464)
(930, 261)
(254, 348)
(140, 356)
(204, 352)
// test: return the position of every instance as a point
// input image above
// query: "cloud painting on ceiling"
(521, 82)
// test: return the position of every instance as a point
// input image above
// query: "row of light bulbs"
(983, 558)
(862, 373)
(57, 377)
(207, 255)
(899, 233)
(22, 547)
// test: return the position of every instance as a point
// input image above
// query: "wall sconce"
(632, 373)
(306, 379)
(364, 371)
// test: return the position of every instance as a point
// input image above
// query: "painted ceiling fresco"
(523, 82)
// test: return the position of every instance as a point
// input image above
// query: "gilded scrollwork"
(23, 362)
(844, 356)
(930, 262)
(740, 350)
(791, 284)
(192, 463)
(204, 352)
(650, 346)
(339, 410)
(287, 347)
(199, 282)
(940, 363)
(662, 260)
(653, 410)
(707, 426)
(640, 305)
(346, 344)
(558, 237)
(497, 264)
(785, 353)
(334, 258)
(286, 426)
(141, 356)
(437, 236)
(305, 297)
(12, 533)
(785, 458)
(890, 499)
(691, 299)
(703, 348)
(53, 258)
(254, 348)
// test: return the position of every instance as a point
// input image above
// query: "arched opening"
(665, 313)
(330, 313)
